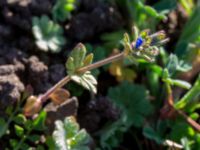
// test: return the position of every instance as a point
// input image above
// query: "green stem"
(10, 119)
(101, 62)
(23, 139)
(190, 95)
(189, 120)
(60, 84)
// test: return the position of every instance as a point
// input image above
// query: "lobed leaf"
(132, 100)
(48, 34)
(78, 59)
(67, 135)
(59, 96)
(86, 80)
(78, 55)
(88, 59)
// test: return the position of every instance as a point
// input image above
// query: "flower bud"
(32, 106)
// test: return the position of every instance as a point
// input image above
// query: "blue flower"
(139, 42)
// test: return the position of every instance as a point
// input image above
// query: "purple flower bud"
(139, 42)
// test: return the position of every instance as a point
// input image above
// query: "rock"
(18, 67)
(59, 112)
(10, 90)
(12, 55)
(7, 69)
(38, 75)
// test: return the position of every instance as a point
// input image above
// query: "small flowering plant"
(79, 65)
(146, 45)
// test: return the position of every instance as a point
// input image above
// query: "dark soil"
(173, 25)
(22, 64)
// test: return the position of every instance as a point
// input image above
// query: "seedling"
(48, 34)
(79, 65)
(68, 136)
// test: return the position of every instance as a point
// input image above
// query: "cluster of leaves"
(180, 132)
(23, 132)
(132, 101)
(68, 136)
(48, 34)
(77, 60)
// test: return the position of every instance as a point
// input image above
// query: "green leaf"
(172, 64)
(181, 129)
(59, 136)
(151, 134)
(153, 78)
(88, 59)
(86, 80)
(112, 133)
(3, 127)
(186, 144)
(13, 142)
(78, 59)
(70, 66)
(19, 130)
(50, 142)
(48, 34)
(81, 138)
(40, 147)
(68, 137)
(135, 33)
(34, 138)
(20, 119)
(28, 124)
(99, 52)
(175, 65)
(194, 116)
(190, 95)
(183, 66)
(113, 39)
(62, 10)
(39, 122)
(165, 6)
(180, 83)
(70, 126)
(78, 55)
(151, 11)
(75, 89)
(132, 99)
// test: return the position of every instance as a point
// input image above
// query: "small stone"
(10, 90)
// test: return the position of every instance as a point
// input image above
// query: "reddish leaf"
(59, 96)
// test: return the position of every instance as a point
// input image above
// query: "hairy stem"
(66, 79)
(189, 120)
(101, 62)
(60, 84)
